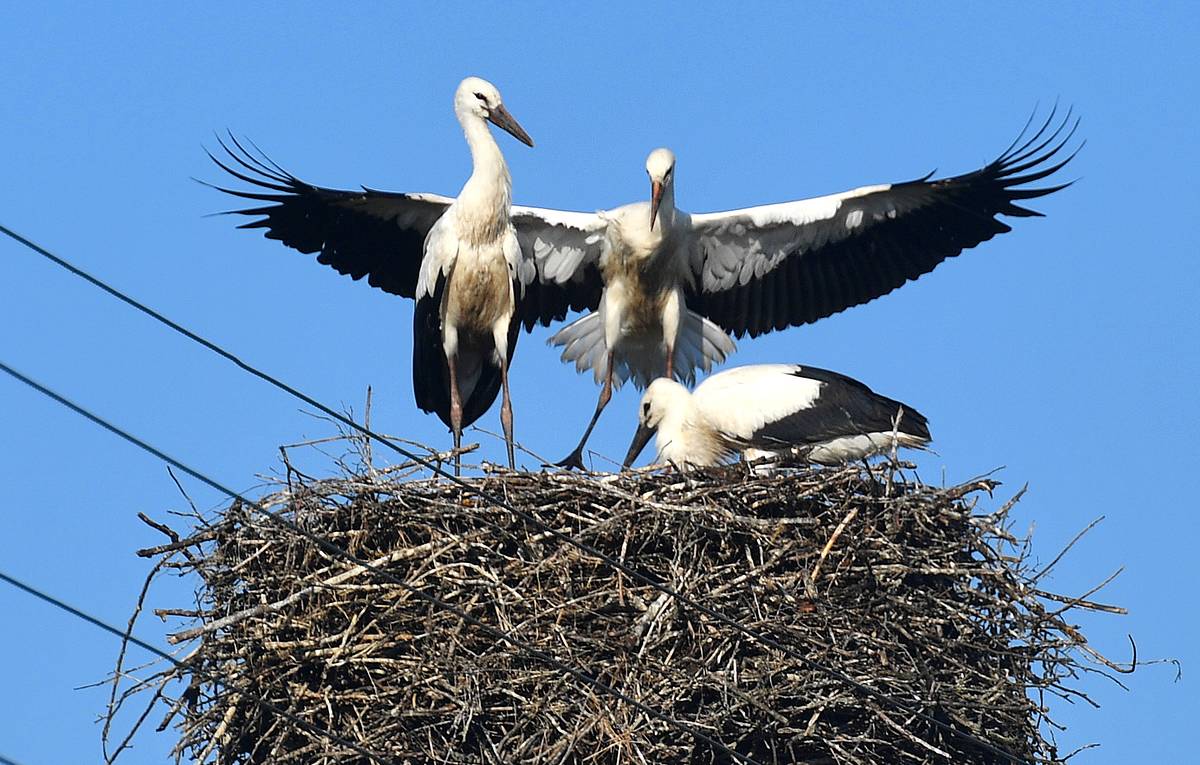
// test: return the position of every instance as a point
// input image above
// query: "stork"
(772, 409)
(674, 283)
(459, 258)
(466, 299)
(642, 316)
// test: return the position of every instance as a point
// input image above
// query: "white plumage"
(772, 409)
(469, 269)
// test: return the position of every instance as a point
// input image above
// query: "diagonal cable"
(63, 605)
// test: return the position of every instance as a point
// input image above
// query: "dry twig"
(926, 600)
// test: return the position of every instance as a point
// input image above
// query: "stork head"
(663, 400)
(660, 166)
(480, 98)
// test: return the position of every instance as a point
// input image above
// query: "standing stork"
(675, 283)
(465, 317)
(459, 258)
(772, 409)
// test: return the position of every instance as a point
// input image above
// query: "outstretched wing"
(844, 408)
(560, 269)
(376, 234)
(797, 404)
(771, 267)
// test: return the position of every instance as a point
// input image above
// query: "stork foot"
(573, 460)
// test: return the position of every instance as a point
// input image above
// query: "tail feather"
(718, 344)
(582, 342)
(700, 345)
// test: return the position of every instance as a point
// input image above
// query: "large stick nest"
(906, 588)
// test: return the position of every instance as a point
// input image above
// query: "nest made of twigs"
(906, 588)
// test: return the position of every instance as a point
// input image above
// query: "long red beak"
(656, 192)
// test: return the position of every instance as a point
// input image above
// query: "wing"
(767, 268)
(845, 407)
(376, 234)
(560, 269)
(768, 405)
(431, 377)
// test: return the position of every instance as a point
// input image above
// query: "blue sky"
(1064, 352)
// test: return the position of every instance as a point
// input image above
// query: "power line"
(31, 590)
(338, 552)
(124, 635)
(637, 575)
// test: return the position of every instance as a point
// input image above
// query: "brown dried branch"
(921, 598)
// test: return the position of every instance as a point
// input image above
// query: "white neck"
(680, 439)
(485, 199)
(485, 153)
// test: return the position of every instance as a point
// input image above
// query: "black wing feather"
(832, 268)
(431, 377)
(376, 234)
(846, 407)
(544, 300)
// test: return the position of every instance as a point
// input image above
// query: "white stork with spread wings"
(675, 282)
(460, 258)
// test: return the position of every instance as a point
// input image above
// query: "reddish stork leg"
(670, 361)
(456, 414)
(506, 416)
(575, 458)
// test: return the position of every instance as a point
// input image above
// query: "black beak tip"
(640, 439)
(500, 117)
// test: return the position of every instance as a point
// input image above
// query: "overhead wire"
(126, 636)
(341, 553)
(842, 677)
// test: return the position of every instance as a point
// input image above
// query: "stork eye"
(481, 97)
(646, 409)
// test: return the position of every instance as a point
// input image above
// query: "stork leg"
(456, 413)
(670, 362)
(506, 416)
(575, 458)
